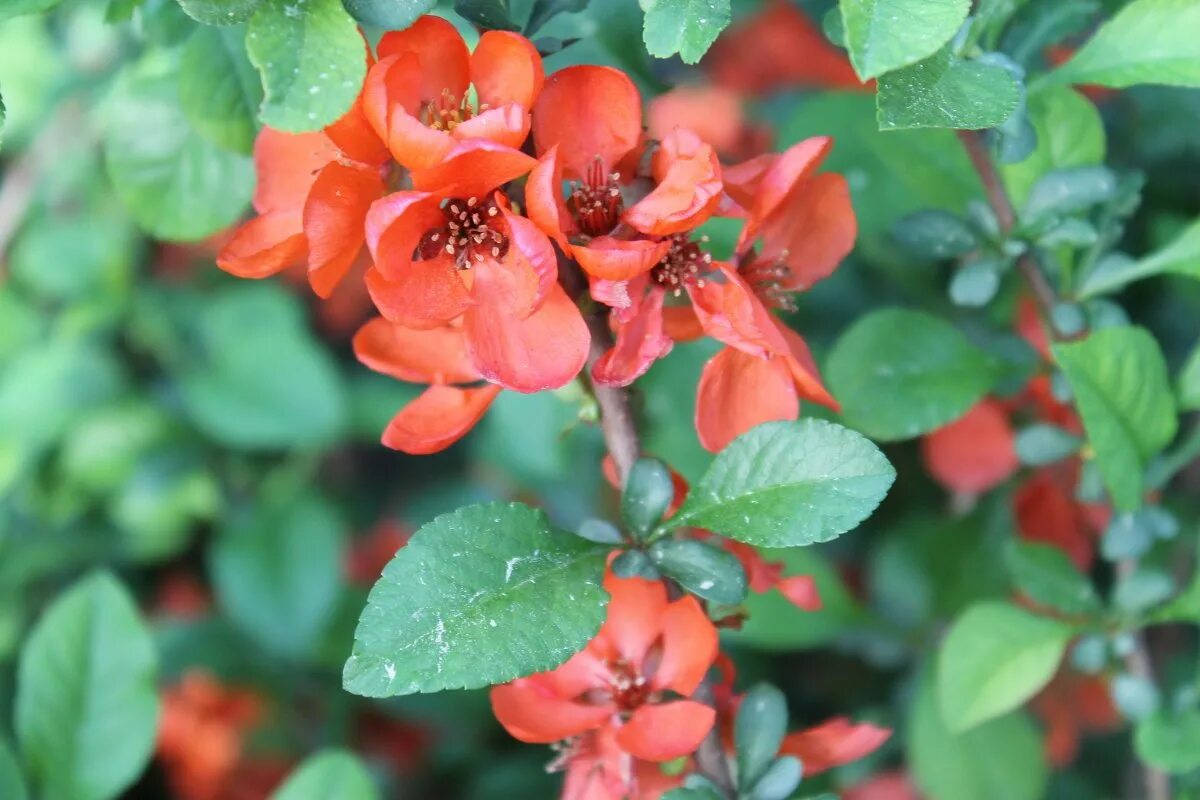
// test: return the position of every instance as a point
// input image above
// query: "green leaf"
(16, 8)
(1120, 384)
(1042, 444)
(1180, 257)
(12, 782)
(329, 775)
(884, 35)
(312, 61)
(1069, 134)
(1141, 590)
(1037, 26)
(390, 15)
(87, 704)
(994, 658)
(1148, 41)
(176, 183)
(220, 12)
(1000, 760)
(1170, 742)
(712, 573)
(945, 92)
(480, 596)
(1068, 191)
(261, 380)
(218, 88)
(759, 729)
(545, 10)
(785, 484)
(277, 572)
(780, 780)
(648, 492)
(487, 14)
(975, 284)
(899, 374)
(1188, 382)
(934, 234)
(1046, 575)
(687, 27)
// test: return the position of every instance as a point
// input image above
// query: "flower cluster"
(472, 183)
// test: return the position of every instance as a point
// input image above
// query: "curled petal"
(688, 190)
(804, 369)
(738, 391)
(812, 232)
(414, 144)
(689, 647)
(618, 259)
(441, 52)
(391, 87)
(264, 246)
(681, 323)
(533, 712)
(617, 295)
(785, 173)
(395, 225)
(426, 294)
(742, 180)
(334, 216)
(439, 417)
(473, 169)
(528, 244)
(506, 68)
(634, 619)
(833, 743)
(435, 355)
(640, 342)
(287, 165)
(588, 112)
(730, 312)
(507, 125)
(666, 731)
(801, 591)
(544, 201)
(354, 136)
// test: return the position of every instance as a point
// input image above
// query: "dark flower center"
(685, 263)
(596, 201)
(447, 112)
(474, 232)
(766, 278)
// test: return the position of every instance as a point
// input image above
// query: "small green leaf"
(635, 564)
(779, 781)
(1141, 590)
(900, 373)
(1047, 576)
(975, 284)
(1188, 382)
(785, 484)
(545, 10)
(176, 183)
(1169, 741)
(933, 234)
(329, 775)
(1068, 191)
(884, 35)
(600, 531)
(994, 658)
(1148, 41)
(1038, 445)
(220, 12)
(87, 704)
(1119, 380)
(1180, 257)
(479, 596)
(945, 92)
(758, 731)
(218, 88)
(702, 569)
(312, 60)
(12, 782)
(687, 27)
(648, 492)
(1069, 134)
(487, 14)
(390, 15)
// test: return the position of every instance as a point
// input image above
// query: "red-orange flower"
(975, 453)
(649, 651)
(597, 768)
(833, 743)
(1071, 705)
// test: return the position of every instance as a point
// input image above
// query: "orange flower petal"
(666, 731)
(544, 201)
(634, 619)
(775, 186)
(618, 259)
(640, 342)
(730, 312)
(287, 165)
(588, 112)
(395, 225)
(681, 323)
(391, 87)
(334, 216)
(804, 369)
(688, 190)
(439, 417)
(738, 391)
(264, 246)
(507, 125)
(689, 647)
(440, 50)
(975, 453)
(354, 136)
(529, 247)
(506, 68)
(473, 169)
(426, 294)
(435, 355)
(833, 743)
(531, 711)
(714, 113)
(801, 591)
(813, 232)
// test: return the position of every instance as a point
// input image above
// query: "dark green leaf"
(87, 704)
(312, 61)
(1170, 742)
(220, 12)
(900, 373)
(329, 775)
(702, 569)
(686, 27)
(390, 15)
(975, 284)
(545, 10)
(648, 492)
(1119, 380)
(789, 483)
(218, 88)
(884, 35)
(1046, 575)
(758, 731)
(480, 596)
(635, 564)
(994, 658)
(945, 92)
(176, 184)
(1037, 26)
(1067, 191)
(934, 235)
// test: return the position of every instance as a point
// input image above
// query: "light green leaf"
(999, 760)
(687, 27)
(1042, 444)
(390, 15)
(785, 484)
(994, 658)
(900, 373)
(883, 35)
(220, 12)
(1120, 384)
(479, 596)
(87, 704)
(1170, 742)
(16, 8)
(277, 572)
(1188, 382)
(1180, 257)
(1148, 41)
(329, 775)
(218, 88)
(945, 92)
(12, 782)
(1068, 191)
(176, 184)
(312, 61)
(1069, 134)
(1046, 575)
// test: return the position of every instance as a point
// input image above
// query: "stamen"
(471, 237)
(596, 202)
(685, 263)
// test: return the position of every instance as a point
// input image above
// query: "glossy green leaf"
(312, 61)
(784, 484)
(175, 183)
(686, 27)
(1180, 257)
(1170, 742)
(709, 572)
(218, 88)
(329, 775)
(648, 492)
(759, 728)
(87, 703)
(390, 15)
(1119, 380)
(934, 234)
(976, 283)
(1046, 575)
(1147, 41)
(994, 658)
(884, 35)
(945, 92)
(220, 12)
(1068, 191)
(900, 373)
(1069, 132)
(482, 595)
(487, 14)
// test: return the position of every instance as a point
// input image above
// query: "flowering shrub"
(649, 343)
